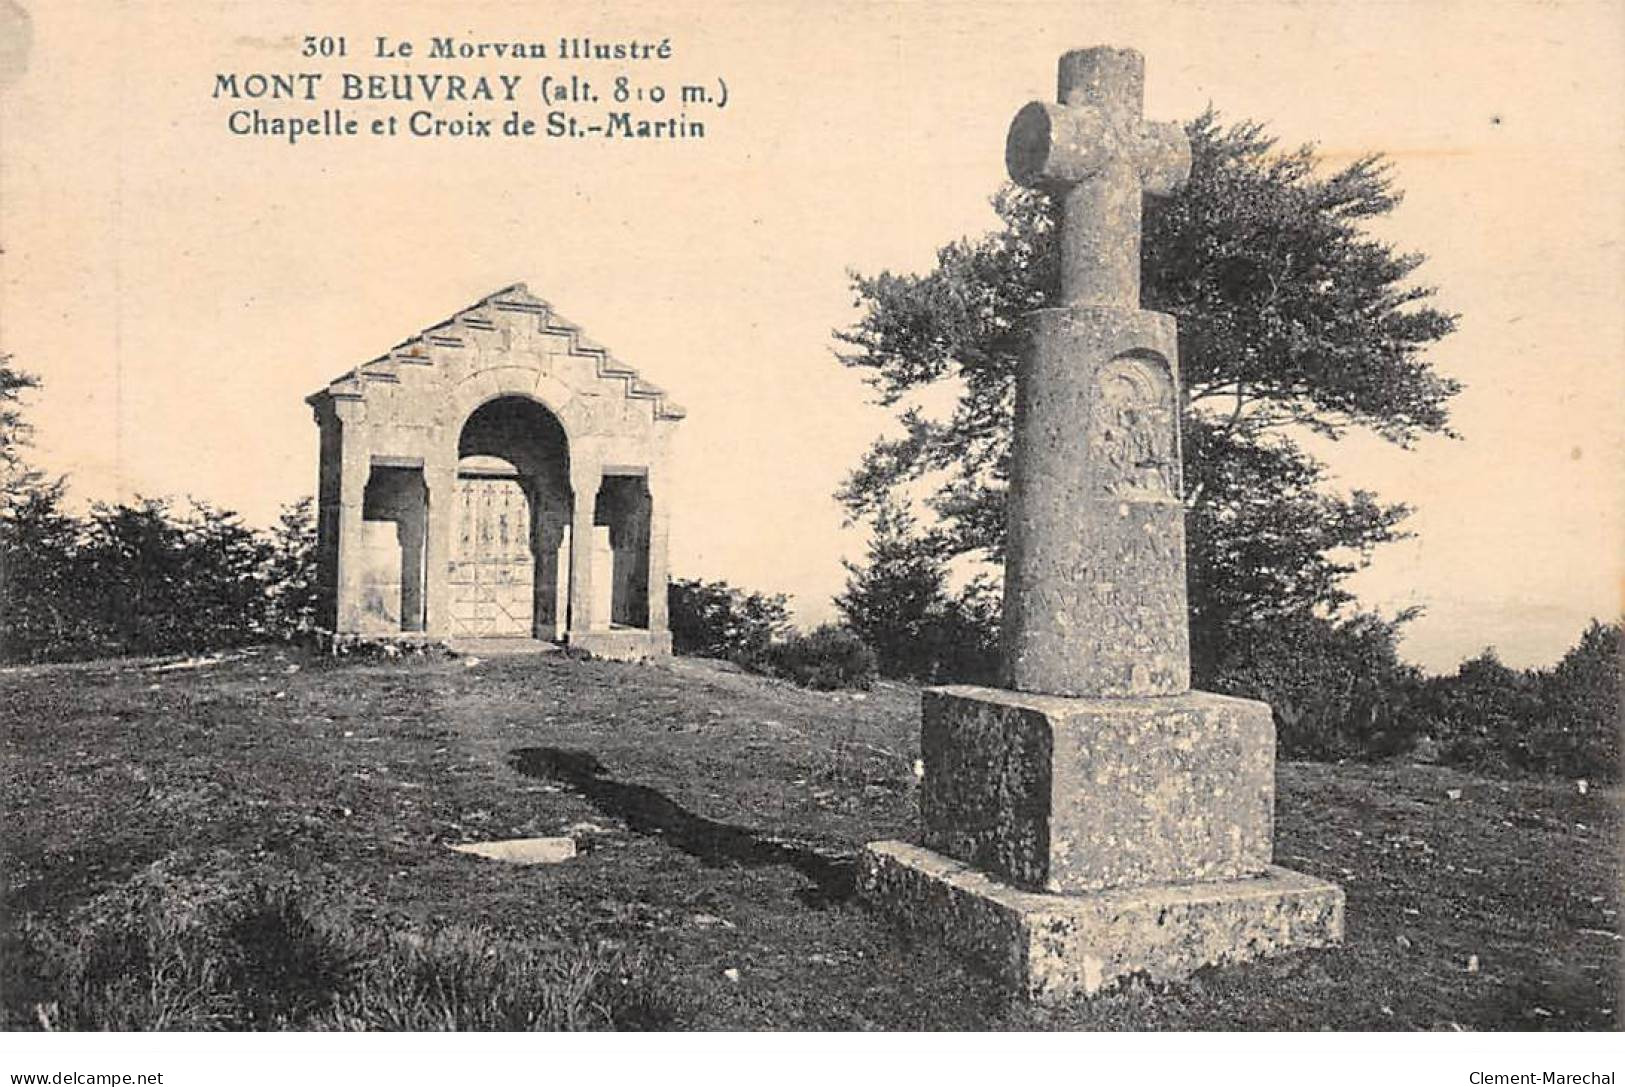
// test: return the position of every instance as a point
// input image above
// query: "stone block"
(380, 578)
(1054, 947)
(1073, 795)
(624, 644)
(523, 850)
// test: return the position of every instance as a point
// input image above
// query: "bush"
(1480, 716)
(147, 578)
(1563, 720)
(292, 586)
(41, 598)
(828, 659)
(714, 619)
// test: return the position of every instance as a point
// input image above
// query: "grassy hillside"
(262, 842)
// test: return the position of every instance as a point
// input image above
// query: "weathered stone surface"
(1071, 795)
(500, 432)
(1093, 150)
(1095, 562)
(1095, 574)
(380, 578)
(523, 850)
(1054, 947)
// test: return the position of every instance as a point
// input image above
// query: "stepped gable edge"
(481, 317)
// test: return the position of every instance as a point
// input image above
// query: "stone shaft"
(1071, 795)
(1095, 602)
(1100, 254)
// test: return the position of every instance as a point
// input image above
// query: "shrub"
(292, 587)
(828, 659)
(714, 619)
(1480, 715)
(1562, 720)
(164, 581)
(147, 578)
(1338, 688)
(42, 600)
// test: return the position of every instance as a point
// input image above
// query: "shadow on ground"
(649, 811)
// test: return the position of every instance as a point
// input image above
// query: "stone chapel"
(497, 475)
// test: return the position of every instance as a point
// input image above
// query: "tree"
(14, 430)
(900, 604)
(1576, 730)
(1292, 319)
(292, 588)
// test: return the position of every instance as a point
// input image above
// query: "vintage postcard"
(883, 516)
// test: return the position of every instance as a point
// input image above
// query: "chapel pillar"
(585, 479)
(440, 478)
(659, 529)
(354, 466)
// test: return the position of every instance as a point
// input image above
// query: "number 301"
(324, 46)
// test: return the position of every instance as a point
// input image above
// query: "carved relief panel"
(1133, 432)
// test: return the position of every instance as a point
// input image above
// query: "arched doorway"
(508, 567)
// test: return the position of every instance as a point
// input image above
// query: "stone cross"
(1095, 153)
(1095, 818)
(1095, 600)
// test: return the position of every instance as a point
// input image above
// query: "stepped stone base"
(1049, 947)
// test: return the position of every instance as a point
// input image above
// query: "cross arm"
(1053, 145)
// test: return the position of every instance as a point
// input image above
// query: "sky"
(180, 289)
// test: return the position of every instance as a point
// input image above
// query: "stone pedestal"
(1069, 842)
(1069, 795)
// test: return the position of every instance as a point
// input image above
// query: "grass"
(261, 843)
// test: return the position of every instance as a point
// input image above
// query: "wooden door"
(493, 577)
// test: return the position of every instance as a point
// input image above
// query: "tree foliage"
(827, 658)
(147, 577)
(291, 574)
(899, 602)
(138, 577)
(1292, 320)
(1337, 686)
(1576, 729)
(14, 429)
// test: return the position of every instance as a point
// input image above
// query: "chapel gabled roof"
(454, 333)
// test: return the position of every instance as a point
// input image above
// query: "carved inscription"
(1131, 432)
